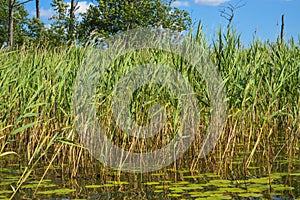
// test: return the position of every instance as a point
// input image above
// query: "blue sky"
(260, 16)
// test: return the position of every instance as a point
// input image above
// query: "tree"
(110, 17)
(36, 27)
(228, 12)
(72, 20)
(64, 26)
(282, 28)
(36, 30)
(11, 4)
(13, 23)
(58, 29)
(37, 8)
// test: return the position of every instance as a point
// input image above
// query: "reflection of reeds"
(262, 88)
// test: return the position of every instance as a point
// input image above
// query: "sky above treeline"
(259, 19)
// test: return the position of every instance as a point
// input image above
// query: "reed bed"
(262, 84)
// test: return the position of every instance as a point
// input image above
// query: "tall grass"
(263, 103)
(263, 90)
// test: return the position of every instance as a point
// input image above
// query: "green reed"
(262, 90)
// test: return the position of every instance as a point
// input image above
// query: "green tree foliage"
(58, 29)
(36, 29)
(104, 17)
(20, 23)
(108, 17)
(64, 22)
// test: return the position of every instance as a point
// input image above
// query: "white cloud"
(47, 13)
(82, 6)
(210, 2)
(181, 4)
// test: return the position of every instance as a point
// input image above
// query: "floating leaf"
(161, 186)
(165, 181)
(151, 183)
(181, 183)
(94, 186)
(118, 182)
(193, 187)
(193, 177)
(109, 185)
(263, 180)
(295, 174)
(3, 197)
(258, 188)
(57, 191)
(5, 191)
(248, 195)
(6, 182)
(211, 175)
(252, 167)
(198, 194)
(176, 190)
(34, 185)
(283, 188)
(220, 183)
(184, 171)
(158, 174)
(174, 195)
(232, 190)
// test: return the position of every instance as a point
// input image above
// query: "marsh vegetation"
(259, 143)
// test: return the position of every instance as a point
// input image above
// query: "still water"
(282, 183)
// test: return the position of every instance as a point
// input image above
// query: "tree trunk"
(37, 7)
(10, 40)
(282, 28)
(72, 20)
